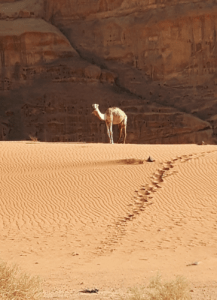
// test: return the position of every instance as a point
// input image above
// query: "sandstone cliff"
(154, 59)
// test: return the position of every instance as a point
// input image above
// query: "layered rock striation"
(154, 59)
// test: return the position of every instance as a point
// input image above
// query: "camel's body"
(113, 115)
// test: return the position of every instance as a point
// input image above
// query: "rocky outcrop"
(60, 110)
(155, 60)
(162, 51)
(19, 48)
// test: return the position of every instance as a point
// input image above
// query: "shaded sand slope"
(91, 215)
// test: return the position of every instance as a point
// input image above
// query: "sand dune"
(93, 215)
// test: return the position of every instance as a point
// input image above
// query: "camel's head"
(95, 106)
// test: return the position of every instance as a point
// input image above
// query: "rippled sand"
(101, 216)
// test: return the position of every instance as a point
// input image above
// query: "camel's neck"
(99, 115)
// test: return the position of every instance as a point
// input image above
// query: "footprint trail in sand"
(144, 197)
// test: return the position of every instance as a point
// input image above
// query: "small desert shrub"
(177, 289)
(15, 285)
(136, 294)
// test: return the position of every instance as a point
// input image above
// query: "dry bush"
(136, 294)
(15, 285)
(177, 289)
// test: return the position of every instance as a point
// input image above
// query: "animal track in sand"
(144, 196)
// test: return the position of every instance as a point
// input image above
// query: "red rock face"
(153, 59)
(42, 43)
(76, 9)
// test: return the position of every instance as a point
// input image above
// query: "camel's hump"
(115, 111)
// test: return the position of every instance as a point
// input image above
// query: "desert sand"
(84, 216)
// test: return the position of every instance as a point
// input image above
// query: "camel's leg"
(125, 129)
(120, 132)
(125, 133)
(111, 134)
(108, 132)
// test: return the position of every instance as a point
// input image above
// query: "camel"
(113, 115)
